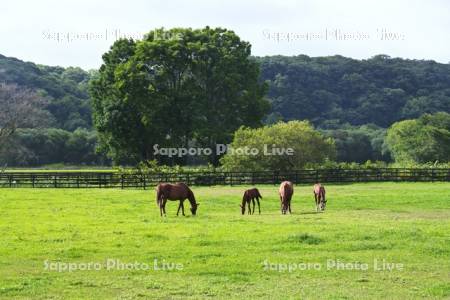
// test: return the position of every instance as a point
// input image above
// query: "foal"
(319, 196)
(250, 195)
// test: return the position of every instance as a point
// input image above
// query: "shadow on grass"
(309, 213)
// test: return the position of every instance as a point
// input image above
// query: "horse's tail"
(158, 194)
(287, 190)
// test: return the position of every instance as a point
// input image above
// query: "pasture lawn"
(222, 252)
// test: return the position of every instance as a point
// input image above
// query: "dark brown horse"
(174, 192)
(319, 196)
(250, 196)
(286, 191)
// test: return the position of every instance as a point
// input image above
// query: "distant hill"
(329, 91)
(66, 89)
(334, 90)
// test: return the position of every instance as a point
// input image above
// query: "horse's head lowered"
(194, 208)
(194, 204)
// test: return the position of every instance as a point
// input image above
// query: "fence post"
(32, 179)
(121, 181)
(55, 181)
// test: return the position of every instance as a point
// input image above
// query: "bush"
(308, 146)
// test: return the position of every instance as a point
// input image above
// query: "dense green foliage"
(223, 252)
(335, 90)
(254, 149)
(62, 132)
(65, 88)
(174, 87)
(352, 101)
(421, 140)
(37, 147)
(359, 143)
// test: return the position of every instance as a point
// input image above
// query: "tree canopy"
(64, 88)
(335, 90)
(426, 139)
(173, 88)
(256, 149)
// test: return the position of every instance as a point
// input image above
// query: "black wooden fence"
(149, 180)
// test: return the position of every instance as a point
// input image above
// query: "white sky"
(420, 28)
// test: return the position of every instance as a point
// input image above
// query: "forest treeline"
(352, 101)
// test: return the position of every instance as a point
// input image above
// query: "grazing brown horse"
(319, 196)
(179, 191)
(251, 195)
(286, 191)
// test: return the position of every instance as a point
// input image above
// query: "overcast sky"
(77, 33)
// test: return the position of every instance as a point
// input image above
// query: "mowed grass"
(222, 253)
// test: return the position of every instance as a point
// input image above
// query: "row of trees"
(332, 91)
(37, 147)
(422, 140)
(416, 141)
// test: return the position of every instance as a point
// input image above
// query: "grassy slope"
(222, 251)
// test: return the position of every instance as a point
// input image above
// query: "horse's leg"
(289, 206)
(253, 202)
(164, 206)
(259, 207)
(182, 208)
(160, 207)
(317, 201)
(249, 209)
(179, 207)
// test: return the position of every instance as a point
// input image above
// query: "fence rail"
(117, 180)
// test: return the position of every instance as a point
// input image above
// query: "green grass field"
(222, 254)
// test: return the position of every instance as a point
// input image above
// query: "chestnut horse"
(319, 196)
(250, 195)
(179, 191)
(286, 191)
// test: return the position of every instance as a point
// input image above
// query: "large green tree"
(175, 88)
